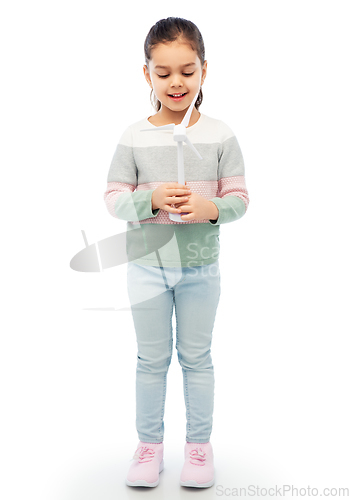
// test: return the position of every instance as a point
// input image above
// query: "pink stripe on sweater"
(235, 186)
(207, 189)
(227, 186)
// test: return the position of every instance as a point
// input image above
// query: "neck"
(166, 115)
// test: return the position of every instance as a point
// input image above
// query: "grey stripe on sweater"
(159, 163)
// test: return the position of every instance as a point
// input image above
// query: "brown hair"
(169, 30)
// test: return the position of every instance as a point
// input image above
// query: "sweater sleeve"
(121, 199)
(232, 198)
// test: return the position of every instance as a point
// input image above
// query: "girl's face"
(175, 73)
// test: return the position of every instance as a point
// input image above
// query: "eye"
(188, 74)
(163, 76)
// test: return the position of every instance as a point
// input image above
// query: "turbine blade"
(162, 127)
(189, 143)
(186, 119)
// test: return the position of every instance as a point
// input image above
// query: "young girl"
(180, 270)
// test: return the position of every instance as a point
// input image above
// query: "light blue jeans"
(153, 292)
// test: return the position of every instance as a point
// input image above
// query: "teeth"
(177, 95)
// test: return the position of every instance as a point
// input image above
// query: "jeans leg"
(196, 301)
(153, 326)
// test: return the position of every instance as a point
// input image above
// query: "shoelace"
(145, 454)
(197, 456)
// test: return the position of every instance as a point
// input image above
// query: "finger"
(186, 208)
(175, 185)
(177, 192)
(177, 200)
(178, 196)
(173, 210)
(187, 217)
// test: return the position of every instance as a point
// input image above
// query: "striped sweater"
(144, 160)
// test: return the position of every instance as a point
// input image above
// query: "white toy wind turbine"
(179, 137)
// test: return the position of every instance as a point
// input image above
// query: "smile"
(177, 97)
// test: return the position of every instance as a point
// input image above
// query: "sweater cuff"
(135, 206)
(230, 209)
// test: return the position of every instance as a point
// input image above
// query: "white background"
(278, 75)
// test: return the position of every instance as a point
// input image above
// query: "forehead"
(173, 54)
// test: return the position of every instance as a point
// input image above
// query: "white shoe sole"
(143, 482)
(193, 484)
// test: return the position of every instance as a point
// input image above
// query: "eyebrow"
(167, 67)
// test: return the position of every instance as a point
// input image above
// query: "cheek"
(197, 82)
(158, 89)
(158, 83)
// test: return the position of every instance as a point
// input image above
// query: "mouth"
(177, 97)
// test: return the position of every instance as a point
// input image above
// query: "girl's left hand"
(198, 208)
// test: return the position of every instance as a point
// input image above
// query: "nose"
(176, 81)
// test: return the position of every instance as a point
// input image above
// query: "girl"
(180, 270)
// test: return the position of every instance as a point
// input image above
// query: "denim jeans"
(153, 293)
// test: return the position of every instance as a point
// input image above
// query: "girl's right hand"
(170, 193)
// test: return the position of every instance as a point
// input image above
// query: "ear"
(204, 72)
(147, 75)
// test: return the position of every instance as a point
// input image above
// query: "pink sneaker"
(147, 464)
(198, 469)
